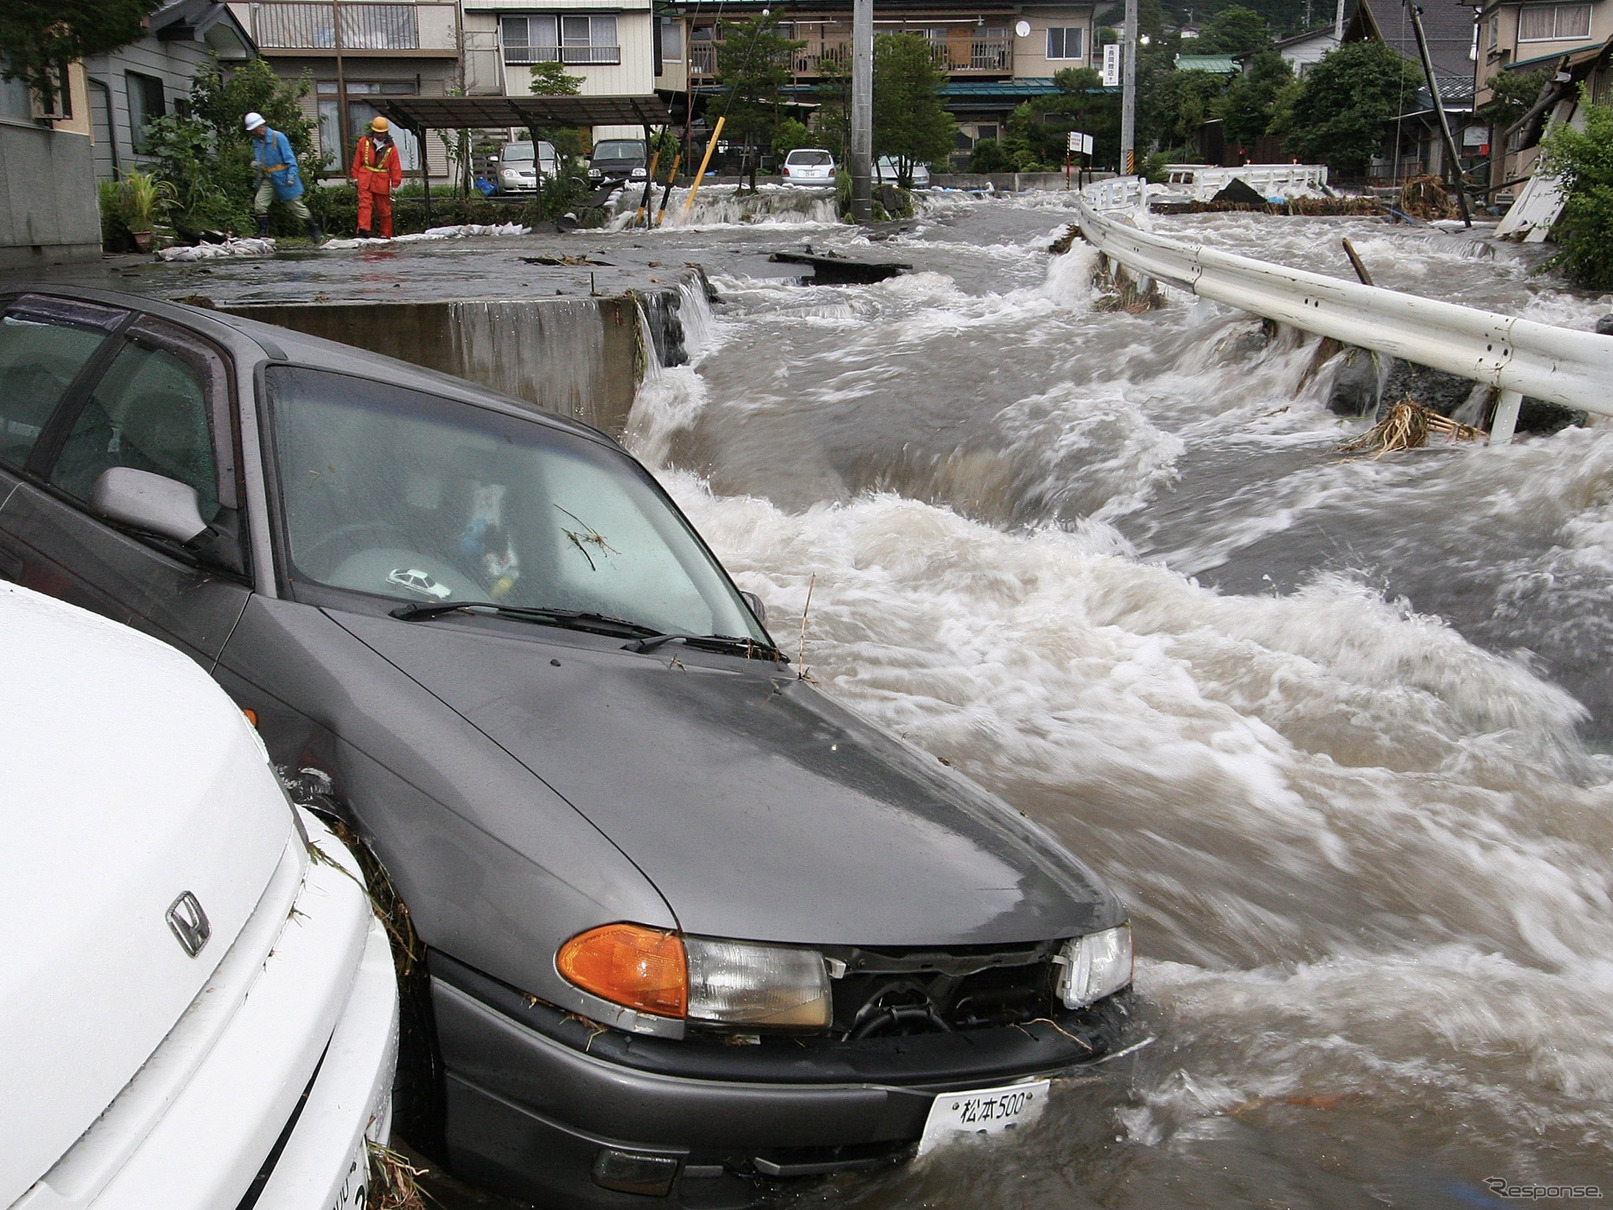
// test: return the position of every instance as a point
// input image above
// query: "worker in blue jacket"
(277, 175)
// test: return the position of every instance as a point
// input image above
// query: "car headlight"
(1094, 966)
(703, 979)
(639, 174)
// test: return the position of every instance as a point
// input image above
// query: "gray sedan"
(686, 927)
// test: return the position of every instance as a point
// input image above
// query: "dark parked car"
(617, 161)
(688, 925)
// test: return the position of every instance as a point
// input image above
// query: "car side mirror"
(756, 606)
(154, 503)
(492, 159)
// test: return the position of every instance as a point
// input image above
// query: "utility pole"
(1128, 92)
(862, 110)
(1338, 26)
(1439, 108)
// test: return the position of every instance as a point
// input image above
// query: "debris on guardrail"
(1064, 242)
(1406, 426)
(1309, 207)
(1120, 291)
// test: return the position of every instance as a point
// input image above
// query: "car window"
(412, 496)
(619, 150)
(152, 411)
(515, 153)
(39, 358)
(809, 159)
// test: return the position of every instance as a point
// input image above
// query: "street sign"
(1111, 65)
(1075, 141)
(1080, 144)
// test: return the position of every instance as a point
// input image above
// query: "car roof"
(256, 342)
(812, 150)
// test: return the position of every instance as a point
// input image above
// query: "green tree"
(909, 123)
(1181, 103)
(1512, 94)
(753, 66)
(1582, 161)
(1249, 104)
(39, 38)
(1233, 31)
(1344, 102)
(789, 135)
(551, 80)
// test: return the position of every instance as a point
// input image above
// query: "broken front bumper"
(544, 1105)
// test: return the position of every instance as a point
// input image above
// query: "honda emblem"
(189, 923)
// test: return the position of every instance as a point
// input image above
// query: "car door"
(157, 400)
(46, 347)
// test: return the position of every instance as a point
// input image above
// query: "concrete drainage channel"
(576, 357)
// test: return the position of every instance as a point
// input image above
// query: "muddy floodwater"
(1336, 728)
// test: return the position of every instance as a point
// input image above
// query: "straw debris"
(1406, 426)
(392, 1180)
(1425, 197)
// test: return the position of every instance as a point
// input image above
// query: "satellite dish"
(1022, 28)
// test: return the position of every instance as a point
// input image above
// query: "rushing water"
(1336, 728)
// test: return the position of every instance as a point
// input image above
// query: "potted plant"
(146, 200)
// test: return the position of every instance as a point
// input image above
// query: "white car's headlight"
(1094, 966)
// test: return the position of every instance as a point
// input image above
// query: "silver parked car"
(808, 166)
(688, 926)
(888, 172)
(517, 166)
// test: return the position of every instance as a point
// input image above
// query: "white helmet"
(254, 120)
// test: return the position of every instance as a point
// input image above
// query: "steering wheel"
(315, 554)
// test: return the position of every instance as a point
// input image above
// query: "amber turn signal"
(628, 964)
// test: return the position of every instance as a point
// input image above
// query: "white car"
(886, 172)
(196, 1013)
(517, 166)
(808, 166)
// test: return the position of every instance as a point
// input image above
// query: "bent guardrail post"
(1517, 357)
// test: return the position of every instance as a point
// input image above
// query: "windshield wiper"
(723, 642)
(575, 619)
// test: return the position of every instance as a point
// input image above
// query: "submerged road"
(1338, 729)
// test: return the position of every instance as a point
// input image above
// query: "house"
(357, 53)
(48, 210)
(996, 55)
(1572, 40)
(137, 83)
(613, 47)
(1300, 50)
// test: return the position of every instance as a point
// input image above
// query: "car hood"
(130, 780)
(759, 808)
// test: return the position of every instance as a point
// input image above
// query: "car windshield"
(619, 149)
(420, 498)
(809, 159)
(517, 152)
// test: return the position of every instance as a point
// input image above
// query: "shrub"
(988, 156)
(1583, 162)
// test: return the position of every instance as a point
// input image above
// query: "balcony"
(356, 27)
(571, 56)
(958, 57)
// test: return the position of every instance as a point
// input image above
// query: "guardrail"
(1516, 356)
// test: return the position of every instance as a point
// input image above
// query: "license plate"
(354, 1193)
(982, 1111)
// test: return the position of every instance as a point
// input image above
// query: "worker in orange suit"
(378, 171)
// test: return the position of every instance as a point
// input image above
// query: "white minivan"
(198, 1008)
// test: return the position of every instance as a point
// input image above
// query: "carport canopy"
(421, 114)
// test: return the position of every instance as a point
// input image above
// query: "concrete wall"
(1010, 182)
(48, 208)
(574, 357)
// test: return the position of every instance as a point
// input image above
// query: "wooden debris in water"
(1062, 245)
(1425, 197)
(1120, 291)
(1406, 426)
